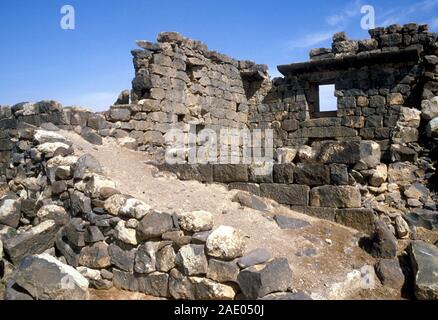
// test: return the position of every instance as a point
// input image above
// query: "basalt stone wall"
(179, 82)
(373, 157)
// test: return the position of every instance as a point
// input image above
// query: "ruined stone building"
(369, 155)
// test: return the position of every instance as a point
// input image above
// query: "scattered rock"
(287, 223)
(424, 259)
(390, 273)
(45, 278)
(10, 211)
(384, 243)
(55, 213)
(257, 256)
(261, 280)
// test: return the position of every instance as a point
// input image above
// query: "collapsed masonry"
(374, 157)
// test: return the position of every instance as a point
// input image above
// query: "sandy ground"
(323, 256)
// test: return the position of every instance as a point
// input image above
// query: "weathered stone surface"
(251, 201)
(122, 259)
(402, 228)
(257, 256)
(10, 211)
(86, 164)
(95, 256)
(379, 175)
(432, 128)
(402, 173)
(286, 155)
(390, 273)
(383, 242)
(45, 278)
(429, 109)
(43, 136)
(359, 219)
(312, 174)
(284, 173)
(261, 280)
(96, 183)
(338, 174)
(153, 225)
(226, 243)
(286, 194)
(192, 260)
(146, 258)
(206, 289)
(154, 284)
(417, 191)
(126, 235)
(196, 221)
(53, 212)
(91, 136)
(180, 286)
(424, 259)
(223, 271)
(335, 197)
(166, 259)
(288, 223)
(34, 241)
(227, 173)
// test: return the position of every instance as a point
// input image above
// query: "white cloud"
(401, 14)
(342, 18)
(311, 40)
(434, 24)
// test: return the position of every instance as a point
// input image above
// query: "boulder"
(122, 259)
(383, 242)
(146, 258)
(95, 256)
(424, 259)
(114, 203)
(335, 197)
(153, 225)
(180, 286)
(360, 219)
(46, 278)
(51, 149)
(36, 240)
(429, 109)
(192, 260)
(53, 212)
(10, 211)
(417, 191)
(223, 271)
(196, 221)
(166, 259)
(432, 128)
(134, 208)
(95, 183)
(379, 175)
(126, 235)
(43, 136)
(390, 273)
(402, 228)
(261, 280)
(86, 164)
(206, 289)
(226, 243)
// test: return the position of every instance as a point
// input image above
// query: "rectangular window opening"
(326, 104)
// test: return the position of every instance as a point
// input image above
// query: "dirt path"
(324, 257)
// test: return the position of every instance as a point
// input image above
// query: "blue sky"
(90, 65)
